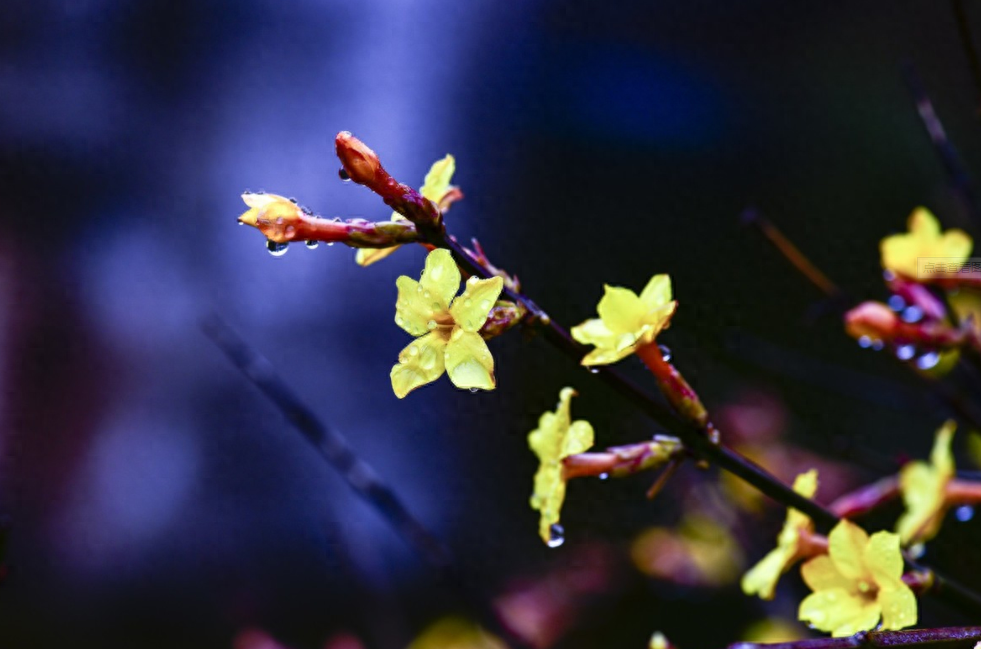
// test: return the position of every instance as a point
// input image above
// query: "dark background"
(157, 500)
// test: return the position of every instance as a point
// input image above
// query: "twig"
(967, 40)
(956, 172)
(963, 637)
(358, 474)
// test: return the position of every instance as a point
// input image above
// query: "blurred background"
(155, 499)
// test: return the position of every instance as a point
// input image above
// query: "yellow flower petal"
(941, 457)
(839, 613)
(762, 578)
(593, 332)
(606, 356)
(470, 308)
(620, 309)
(883, 559)
(421, 362)
(923, 487)
(438, 179)
(846, 545)
(578, 439)
(414, 311)
(657, 293)
(259, 201)
(468, 361)
(440, 279)
(368, 256)
(899, 608)
(923, 223)
(924, 239)
(820, 574)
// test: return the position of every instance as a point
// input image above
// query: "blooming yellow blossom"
(556, 438)
(434, 187)
(762, 578)
(700, 552)
(446, 326)
(658, 641)
(924, 239)
(856, 583)
(924, 487)
(626, 321)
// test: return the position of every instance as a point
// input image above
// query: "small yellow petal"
(368, 256)
(657, 293)
(883, 559)
(820, 574)
(923, 495)
(941, 457)
(421, 362)
(438, 179)
(838, 612)
(846, 545)
(762, 578)
(414, 310)
(620, 309)
(260, 201)
(593, 332)
(899, 608)
(923, 223)
(468, 361)
(470, 309)
(440, 280)
(578, 439)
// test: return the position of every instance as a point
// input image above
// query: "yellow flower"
(448, 339)
(434, 187)
(762, 578)
(556, 438)
(456, 633)
(900, 251)
(856, 583)
(924, 487)
(626, 321)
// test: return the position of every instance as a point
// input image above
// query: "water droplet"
(964, 513)
(427, 295)
(864, 342)
(247, 191)
(276, 249)
(556, 535)
(330, 243)
(603, 476)
(312, 245)
(343, 175)
(467, 302)
(240, 222)
(928, 361)
(485, 305)
(431, 325)
(457, 334)
(896, 303)
(594, 370)
(413, 351)
(665, 352)
(292, 200)
(877, 345)
(917, 551)
(545, 319)
(912, 314)
(905, 352)
(399, 321)
(419, 288)
(336, 219)
(472, 280)
(473, 390)
(261, 192)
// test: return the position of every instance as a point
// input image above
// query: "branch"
(358, 474)
(963, 637)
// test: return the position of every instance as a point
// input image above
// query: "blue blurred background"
(156, 500)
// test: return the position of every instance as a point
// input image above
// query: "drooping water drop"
(917, 551)
(330, 243)
(928, 360)
(912, 314)
(964, 513)
(261, 192)
(603, 476)
(431, 325)
(473, 390)
(864, 342)
(665, 352)
(312, 245)
(905, 352)
(594, 370)
(276, 249)
(247, 191)
(343, 175)
(896, 303)
(556, 535)
(877, 345)
(485, 305)
(292, 200)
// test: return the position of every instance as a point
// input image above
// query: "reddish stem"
(865, 499)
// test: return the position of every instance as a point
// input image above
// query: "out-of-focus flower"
(626, 321)
(557, 437)
(924, 487)
(456, 633)
(435, 186)
(858, 582)
(701, 552)
(772, 630)
(446, 326)
(762, 578)
(659, 641)
(924, 239)
(873, 322)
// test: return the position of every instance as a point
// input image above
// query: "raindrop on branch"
(928, 361)
(312, 245)
(343, 175)
(964, 513)
(864, 342)
(896, 303)
(665, 352)
(276, 249)
(556, 535)
(905, 352)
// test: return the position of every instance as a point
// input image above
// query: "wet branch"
(963, 637)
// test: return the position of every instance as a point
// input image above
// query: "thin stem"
(967, 40)
(358, 474)
(963, 637)
(865, 499)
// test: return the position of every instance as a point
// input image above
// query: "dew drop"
(964, 513)
(917, 551)
(413, 351)
(603, 476)
(877, 345)
(665, 352)
(556, 535)
(905, 352)
(485, 305)
(896, 303)
(344, 175)
(330, 243)
(928, 361)
(545, 319)
(292, 200)
(312, 245)
(864, 342)
(240, 222)
(276, 249)
(431, 325)
(594, 370)
(399, 321)
(247, 191)
(336, 219)
(912, 314)
(457, 334)
(261, 192)
(473, 390)
(472, 281)
(467, 302)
